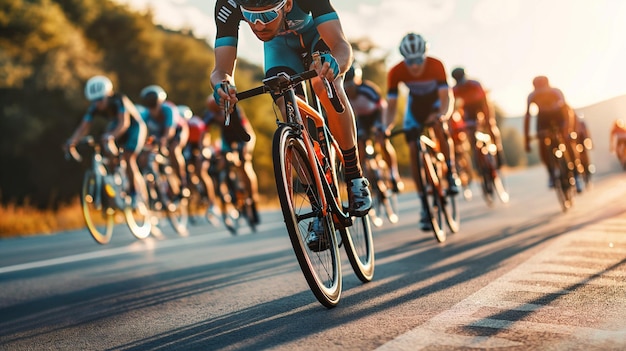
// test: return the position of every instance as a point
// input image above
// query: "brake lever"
(224, 87)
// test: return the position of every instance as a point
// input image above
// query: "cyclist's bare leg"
(178, 163)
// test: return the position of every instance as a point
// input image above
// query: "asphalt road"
(516, 277)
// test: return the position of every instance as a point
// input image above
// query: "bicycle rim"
(99, 219)
(357, 239)
(139, 220)
(300, 204)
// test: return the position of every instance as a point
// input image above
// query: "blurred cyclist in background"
(125, 128)
(478, 113)
(232, 141)
(168, 128)
(197, 155)
(369, 108)
(551, 109)
(430, 103)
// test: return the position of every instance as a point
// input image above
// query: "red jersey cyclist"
(477, 111)
(429, 104)
(197, 154)
(125, 127)
(290, 29)
(551, 109)
(369, 107)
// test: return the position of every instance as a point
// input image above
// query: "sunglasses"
(264, 17)
(414, 60)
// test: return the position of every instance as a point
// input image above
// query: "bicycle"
(161, 182)
(310, 187)
(384, 199)
(486, 161)
(561, 166)
(236, 202)
(102, 191)
(199, 201)
(438, 202)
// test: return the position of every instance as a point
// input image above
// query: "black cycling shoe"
(317, 240)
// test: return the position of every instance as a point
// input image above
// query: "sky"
(579, 44)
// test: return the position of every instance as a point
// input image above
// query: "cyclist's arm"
(123, 122)
(447, 101)
(332, 34)
(527, 122)
(225, 61)
(390, 112)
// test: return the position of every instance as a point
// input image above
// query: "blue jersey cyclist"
(167, 128)
(291, 30)
(125, 127)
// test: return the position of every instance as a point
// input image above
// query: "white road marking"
(559, 264)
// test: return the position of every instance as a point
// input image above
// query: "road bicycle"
(236, 202)
(563, 169)
(161, 183)
(311, 188)
(200, 204)
(384, 199)
(438, 202)
(103, 195)
(486, 163)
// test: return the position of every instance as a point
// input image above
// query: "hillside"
(599, 118)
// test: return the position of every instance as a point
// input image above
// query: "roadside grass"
(27, 220)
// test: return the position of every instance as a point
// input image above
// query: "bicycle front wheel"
(299, 200)
(99, 216)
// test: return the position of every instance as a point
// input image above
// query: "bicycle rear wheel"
(357, 239)
(99, 217)
(300, 205)
(562, 185)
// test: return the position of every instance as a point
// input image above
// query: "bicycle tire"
(357, 239)
(432, 196)
(90, 190)
(139, 220)
(294, 183)
(561, 183)
(448, 200)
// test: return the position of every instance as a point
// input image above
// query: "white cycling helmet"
(185, 111)
(152, 95)
(98, 87)
(413, 46)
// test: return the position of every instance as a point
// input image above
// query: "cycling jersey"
(196, 129)
(367, 104)
(116, 104)
(298, 35)
(473, 96)
(550, 109)
(423, 90)
(167, 116)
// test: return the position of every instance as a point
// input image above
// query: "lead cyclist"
(289, 30)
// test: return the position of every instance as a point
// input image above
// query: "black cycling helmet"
(257, 3)
(354, 73)
(458, 73)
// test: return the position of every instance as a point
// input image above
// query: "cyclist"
(167, 127)
(617, 138)
(583, 137)
(477, 111)
(369, 106)
(551, 108)
(197, 153)
(231, 140)
(125, 128)
(429, 103)
(289, 30)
